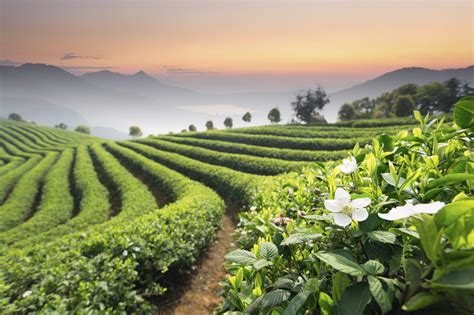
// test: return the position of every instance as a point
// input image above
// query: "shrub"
(403, 242)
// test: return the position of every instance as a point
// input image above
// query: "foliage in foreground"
(391, 228)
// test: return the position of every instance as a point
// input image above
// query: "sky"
(234, 46)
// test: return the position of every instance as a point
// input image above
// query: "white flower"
(346, 210)
(408, 210)
(348, 166)
(27, 293)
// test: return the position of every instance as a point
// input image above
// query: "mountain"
(40, 111)
(391, 80)
(116, 101)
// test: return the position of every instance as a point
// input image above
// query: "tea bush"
(390, 229)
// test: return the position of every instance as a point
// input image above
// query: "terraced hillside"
(94, 225)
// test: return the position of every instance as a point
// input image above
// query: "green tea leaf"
(355, 299)
(373, 267)
(379, 294)
(450, 179)
(298, 238)
(342, 263)
(297, 303)
(326, 304)
(268, 250)
(274, 298)
(421, 300)
(456, 279)
(451, 212)
(241, 257)
(464, 112)
(383, 236)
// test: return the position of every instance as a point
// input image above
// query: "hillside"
(113, 100)
(142, 209)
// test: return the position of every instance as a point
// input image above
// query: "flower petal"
(360, 202)
(333, 205)
(429, 208)
(360, 214)
(342, 219)
(398, 213)
(348, 166)
(343, 196)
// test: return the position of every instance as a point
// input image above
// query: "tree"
(346, 112)
(305, 105)
(15, 117)
(184, 130)
(228, 122)
(83, 129)
(274, 116)
(209, 125)
(247, 117)
(432, 97)
(135, 131)
(403, 106)
(192, 128)
(454, 94)
(61, 126)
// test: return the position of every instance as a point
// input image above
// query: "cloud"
(71, 55)
(172, 70)
(217, 109)
(8, 62)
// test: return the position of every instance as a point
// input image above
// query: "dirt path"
(199, 295)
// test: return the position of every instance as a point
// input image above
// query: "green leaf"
(261, 263)
(450, 179)
(339, 283)
(386, 141)
(274, 298)
(342, 263)
(419, 117)
(383, 236)
(298, 238)
(456, 279)
(451, 212)
(355, 299)
(464, 112)
(428, 232)
(297, 303)
(373, 267)
(326, 304)
(421, 300)
(268, 250)
(241, 257)
(379, 294)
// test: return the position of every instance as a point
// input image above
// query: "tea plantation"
(95, 226)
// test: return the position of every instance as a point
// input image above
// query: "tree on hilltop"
(83, 129)
(247, 117)
(192, 128)
(228, 123)
(209, 125)
(15, 117)
(135, 131)
(61, 126)
(274, 116)
(306, 105)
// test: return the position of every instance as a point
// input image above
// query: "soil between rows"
(199, 293)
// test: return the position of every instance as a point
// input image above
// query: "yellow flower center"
(347, 210)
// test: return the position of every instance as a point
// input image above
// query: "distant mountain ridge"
(391, 80)
(114, 100)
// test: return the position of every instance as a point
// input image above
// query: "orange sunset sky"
(340, 41)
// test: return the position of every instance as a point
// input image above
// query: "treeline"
(434, 98)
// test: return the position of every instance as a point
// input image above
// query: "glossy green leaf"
(355, 299)
(268, 250)
(342, 263)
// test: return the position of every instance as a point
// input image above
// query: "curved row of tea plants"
(123, 260)
(247, 149)
(55, 206)
(279, 141)
(238, 162)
